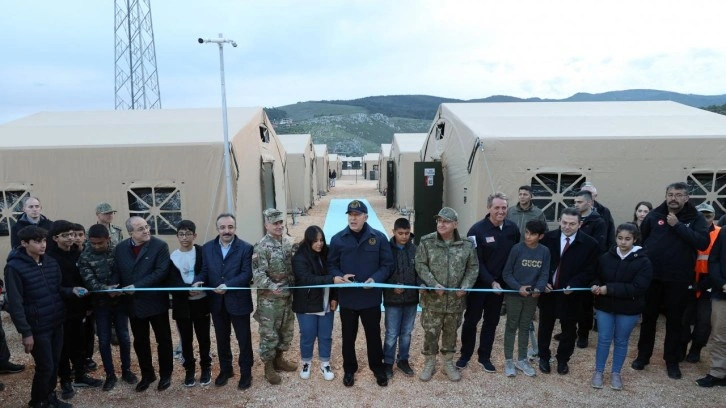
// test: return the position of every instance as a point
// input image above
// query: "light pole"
(227, 167)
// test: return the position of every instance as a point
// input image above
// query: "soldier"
(444, 260)
(104, 216)
(96, 266)
(272, 273)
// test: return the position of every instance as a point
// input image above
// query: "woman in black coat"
(315, 308)
(624, 274)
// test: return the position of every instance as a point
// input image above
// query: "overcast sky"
(59, 55)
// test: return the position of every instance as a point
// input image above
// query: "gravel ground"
(649, 388)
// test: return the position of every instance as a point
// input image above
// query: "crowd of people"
(66, 285)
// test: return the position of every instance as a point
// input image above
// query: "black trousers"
(187, 328)
(547, 317)
(223, 324)
(674, 296)
(142, 344)
(479, 304)
(46, 355)
(4, 350)
(371, 319)
(698, 314)
(89, 331)
(585, 322)
(73, 351)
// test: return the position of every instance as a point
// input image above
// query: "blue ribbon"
(339, 286)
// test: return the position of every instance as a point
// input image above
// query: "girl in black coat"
(315, 308)
(624, 274)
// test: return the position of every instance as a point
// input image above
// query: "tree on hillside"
(275, 114)
(717, 109)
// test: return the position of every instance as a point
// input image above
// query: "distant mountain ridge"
(359, 126)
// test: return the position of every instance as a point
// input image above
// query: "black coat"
(180, 306)
(23, 222)
(492, 249)
(595, 226)
(673, 250)
(404, 273)
(626, 281)
(310, 269)
(234, 270)
(717, 266)
(577, 269)
(147, 270)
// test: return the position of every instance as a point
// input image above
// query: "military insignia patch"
(371, 241)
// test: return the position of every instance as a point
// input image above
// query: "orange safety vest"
(702, 259)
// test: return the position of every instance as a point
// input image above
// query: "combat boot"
(270, 374)
(428, 370)
(280, 364)
(449, 369)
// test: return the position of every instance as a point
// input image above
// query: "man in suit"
(227, 262)
(142, 261)
(573, 264)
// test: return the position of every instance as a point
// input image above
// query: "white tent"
(370, 164)
(165, 165)
(334, 163)
(405, 150)
(321, 168)
(302, 182)
(629, 150)
(383, 157)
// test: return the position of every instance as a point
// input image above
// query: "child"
(401, 304)
(36, 307)
(624, 274)
(526, 270)
(191, 313)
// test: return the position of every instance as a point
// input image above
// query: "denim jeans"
(316, 327)
(399, 325)
(613, 328)
(104, 316)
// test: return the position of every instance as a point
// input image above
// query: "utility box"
(373, 175)
(428, 196)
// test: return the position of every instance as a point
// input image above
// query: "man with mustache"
(673, 233)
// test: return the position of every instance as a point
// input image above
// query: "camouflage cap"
(273, 215)
(104, 208)
(705, 207)
(448, 213)
(357, 206)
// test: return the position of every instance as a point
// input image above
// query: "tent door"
(268, 185)
(391, 188)
(428, 193)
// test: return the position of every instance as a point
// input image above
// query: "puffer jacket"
(626, 281)
(452, 265)
(404, 273)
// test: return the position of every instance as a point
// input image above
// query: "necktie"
(557, 274)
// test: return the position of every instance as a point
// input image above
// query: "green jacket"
(451, 265)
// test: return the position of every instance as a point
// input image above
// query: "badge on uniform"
(371, 241)
(661, 222)
(490, 240)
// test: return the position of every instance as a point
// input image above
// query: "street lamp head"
(201, 40)
(234, 44)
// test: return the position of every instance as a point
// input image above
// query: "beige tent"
(383, 157)
(370, 164)
(321, 168)
(165, 165)
(302, 182)
(405, 151)
(629, 150)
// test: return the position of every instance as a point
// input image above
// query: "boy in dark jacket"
(401, 304)
(36, 307)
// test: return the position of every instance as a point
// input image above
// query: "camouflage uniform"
(96, 270)
(272, 268)
(452, 265)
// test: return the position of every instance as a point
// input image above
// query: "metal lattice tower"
(137, 80)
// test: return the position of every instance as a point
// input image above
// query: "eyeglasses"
(143, 229)
(678, 195)
(184, 234)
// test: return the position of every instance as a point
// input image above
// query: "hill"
(360, 126)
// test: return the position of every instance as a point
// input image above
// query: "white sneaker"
(509, 369)
(305, 372)
(327, 372)
(523, 365)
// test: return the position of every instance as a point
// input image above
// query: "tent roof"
(123, 127)
(386, 150)
(320, 149)
(409, 142)
(659, 119)
(371, 156)
(332, 157)
(296, 143)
